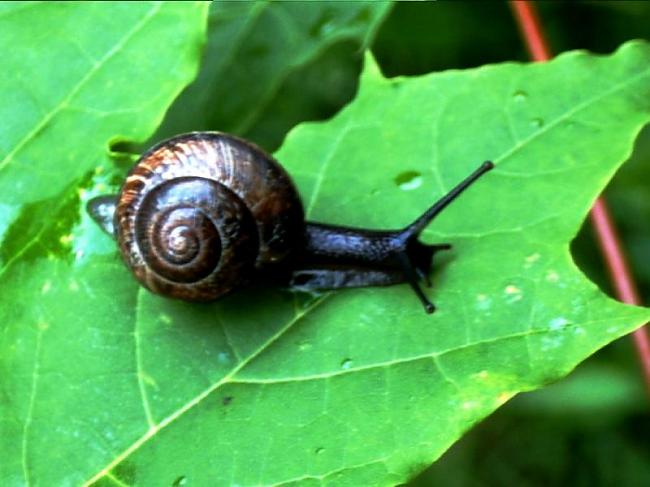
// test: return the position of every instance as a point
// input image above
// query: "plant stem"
(606, 234)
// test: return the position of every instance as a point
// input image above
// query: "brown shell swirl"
(200, 213)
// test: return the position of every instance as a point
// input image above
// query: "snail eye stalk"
(336, 257)
(416, 269)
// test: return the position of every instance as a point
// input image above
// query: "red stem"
(606, 233)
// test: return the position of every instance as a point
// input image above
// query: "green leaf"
(270, 65)
(107, 383)
(78, 78)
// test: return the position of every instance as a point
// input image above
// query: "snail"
(204, 213)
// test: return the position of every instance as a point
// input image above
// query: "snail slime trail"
(205, 213)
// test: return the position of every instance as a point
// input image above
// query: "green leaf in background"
(587, 429)
(76, 77)
(269, 65)
(104, 382)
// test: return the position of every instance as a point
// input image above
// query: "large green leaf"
(76, 77)
(269, 65)
(108, 383)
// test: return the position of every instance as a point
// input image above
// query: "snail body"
(202, 214)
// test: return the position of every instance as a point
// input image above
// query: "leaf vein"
(200, 397)
(324, 166)
(30, 405)
(330, 473)
(138, 362)
(407, 360)
(572, 111)
(82, 82)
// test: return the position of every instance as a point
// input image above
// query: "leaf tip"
(371, 70)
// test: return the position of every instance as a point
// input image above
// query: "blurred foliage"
(294, 61)
(567, 434)
(419, 38)
(591, 428)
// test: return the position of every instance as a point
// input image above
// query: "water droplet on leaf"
(408, 180)
(558, 323)
(180, 481)
(537, 123)
(520, 96)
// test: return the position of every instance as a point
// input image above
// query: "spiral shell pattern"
(201, 213)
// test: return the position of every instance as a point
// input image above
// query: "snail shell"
(201, 213)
